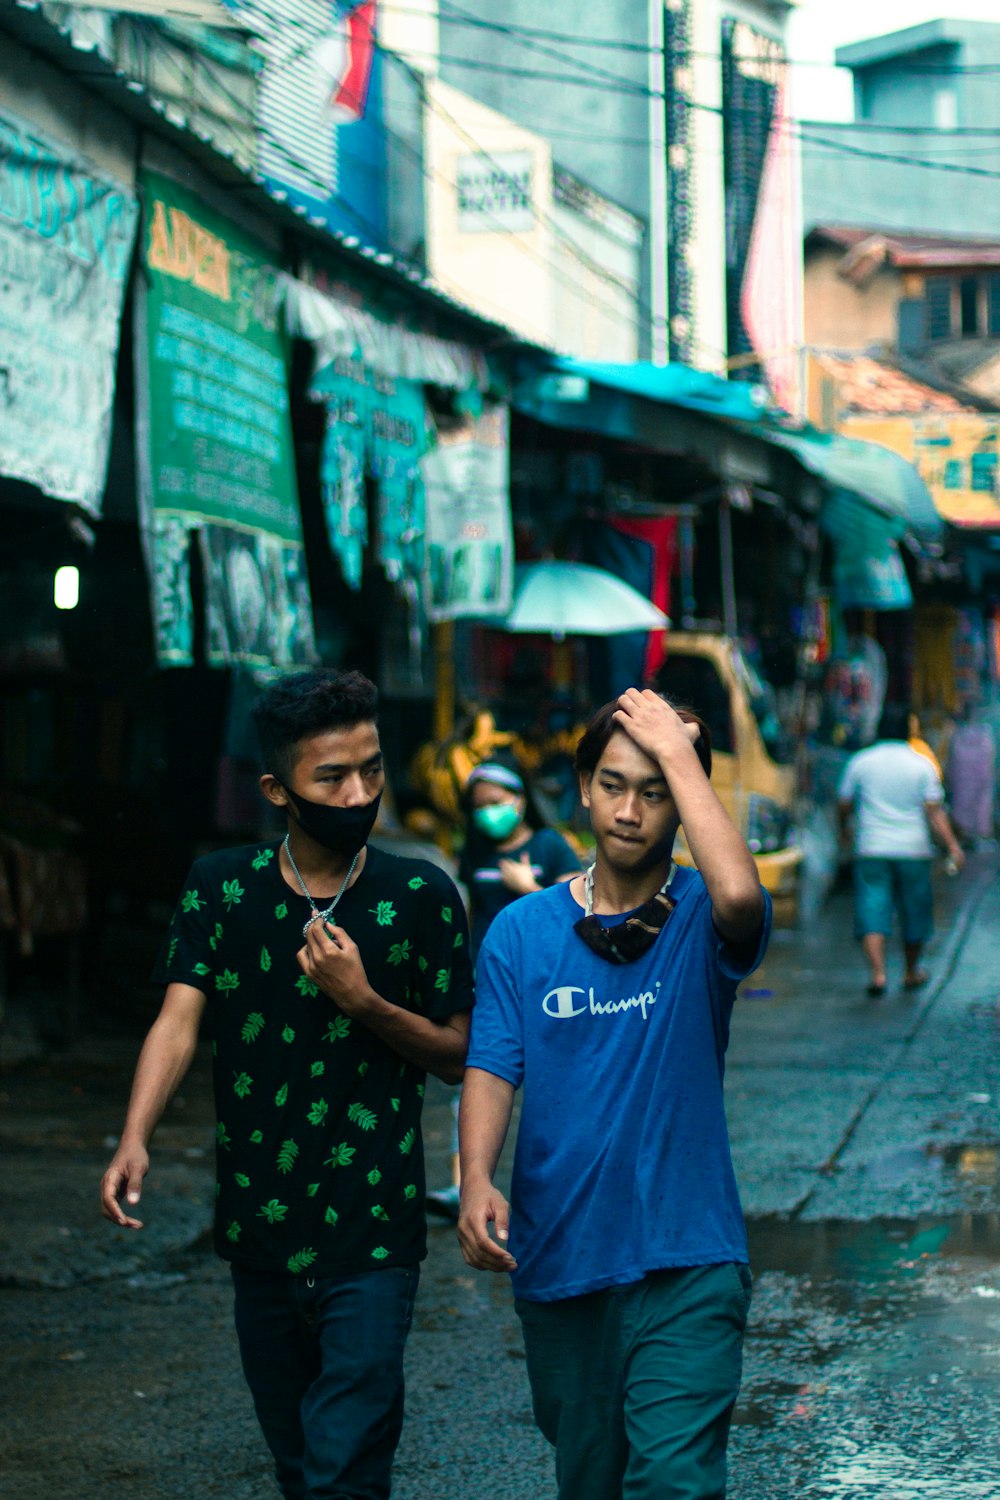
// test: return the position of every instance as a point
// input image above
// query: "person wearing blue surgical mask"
(508, 854)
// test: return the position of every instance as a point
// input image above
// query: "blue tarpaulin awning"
(674, 384)
(555, 394)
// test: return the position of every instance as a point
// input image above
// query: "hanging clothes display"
(969, 657)
(854, 694)
(971, 778)
(933, 673)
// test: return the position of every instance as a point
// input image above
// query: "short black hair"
(894, 723)
(293, 708)
(602, 726)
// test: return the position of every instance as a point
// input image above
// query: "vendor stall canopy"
(557, 392)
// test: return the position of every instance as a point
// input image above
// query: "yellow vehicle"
(709, 674)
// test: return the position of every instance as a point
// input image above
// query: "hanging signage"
(214, 437)
(470, 548)
(957, 455)
(66, 236)
(494, 192)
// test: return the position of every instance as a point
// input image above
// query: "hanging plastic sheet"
(257, 598)
(470, 543)
(868, 570)
(66, 237)
(375, 428)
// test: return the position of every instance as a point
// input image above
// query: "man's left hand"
(333, 961)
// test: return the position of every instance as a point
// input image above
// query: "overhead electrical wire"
(525, 34)
(599, 79)
(797, 129)
(565, 239)
(308, 171)
(439, 109)
(617, 44)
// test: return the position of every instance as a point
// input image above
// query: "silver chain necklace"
(317, 915)
(588, 886)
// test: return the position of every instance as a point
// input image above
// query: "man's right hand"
(481, 1207)
(124, 1177)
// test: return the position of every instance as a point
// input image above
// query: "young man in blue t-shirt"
(608, 1000)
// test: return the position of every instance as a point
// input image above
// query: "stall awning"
(673, 384)
(561, 394)
(882, 478)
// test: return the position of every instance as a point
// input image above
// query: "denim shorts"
(884, 885)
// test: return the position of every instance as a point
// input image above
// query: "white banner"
(470, 544)
(66, 238)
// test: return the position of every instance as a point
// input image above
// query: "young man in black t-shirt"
(333, 977)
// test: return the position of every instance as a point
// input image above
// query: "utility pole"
(658, 232)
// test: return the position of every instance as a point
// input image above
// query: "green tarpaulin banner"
(214, 437)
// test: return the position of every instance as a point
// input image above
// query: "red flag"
(351, 78)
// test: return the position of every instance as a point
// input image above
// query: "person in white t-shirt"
(895, 799)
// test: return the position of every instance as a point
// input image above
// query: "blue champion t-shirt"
(622, 1164)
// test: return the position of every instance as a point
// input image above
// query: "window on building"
(966, 307)
(938, 296)
(993, 305)
(984, 472)
(945, 109)
(968, 302)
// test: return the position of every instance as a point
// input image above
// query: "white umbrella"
(567, 598)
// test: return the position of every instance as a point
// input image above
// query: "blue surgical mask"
(498, 820)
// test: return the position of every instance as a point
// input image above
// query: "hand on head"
(655, 726)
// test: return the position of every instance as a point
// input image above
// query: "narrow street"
(866, 1138)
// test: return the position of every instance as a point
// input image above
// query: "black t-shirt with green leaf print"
(318, 1146)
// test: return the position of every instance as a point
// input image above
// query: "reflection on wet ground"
(872, 1359)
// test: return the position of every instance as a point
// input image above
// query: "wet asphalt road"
(866, 1137)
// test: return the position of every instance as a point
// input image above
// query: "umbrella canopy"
(567, 598)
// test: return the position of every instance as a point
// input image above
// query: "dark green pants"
(635, 1386)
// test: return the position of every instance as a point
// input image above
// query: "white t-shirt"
(889, 786)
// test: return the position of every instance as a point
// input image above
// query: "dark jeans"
(635, 1386)
(323, 1358)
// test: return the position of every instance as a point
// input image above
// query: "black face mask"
(342, 830)
(626, 941)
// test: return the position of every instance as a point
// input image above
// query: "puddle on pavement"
(872, 1356)
(868, 1251)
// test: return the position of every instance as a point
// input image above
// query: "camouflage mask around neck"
(626, 941)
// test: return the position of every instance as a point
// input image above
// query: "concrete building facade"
(922, 154)
(670, 113)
